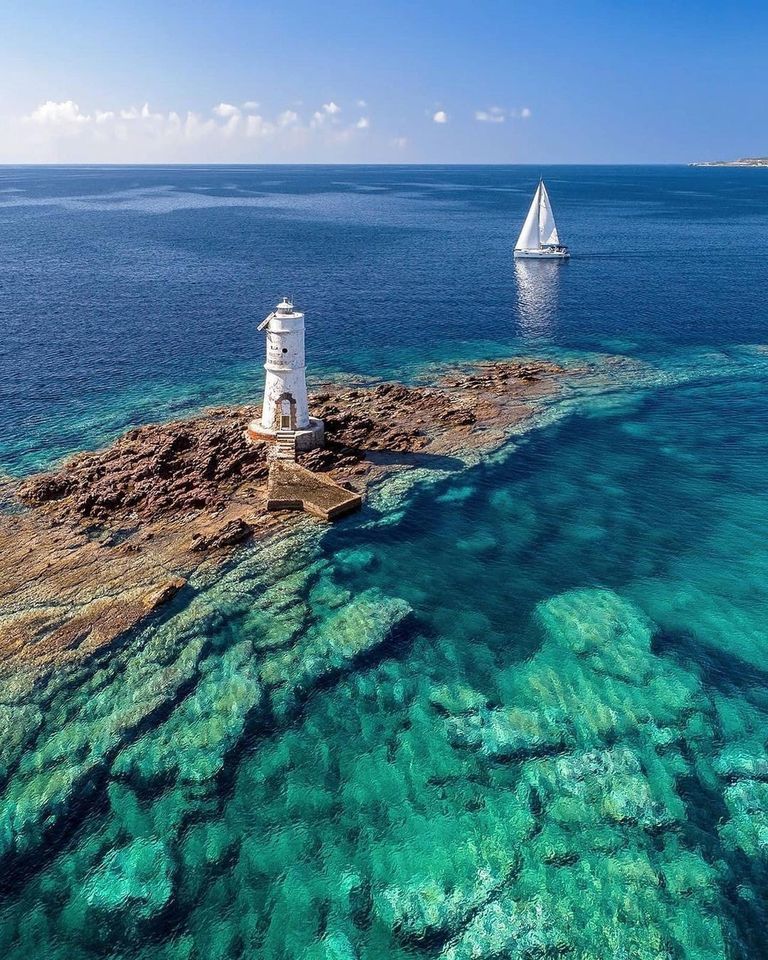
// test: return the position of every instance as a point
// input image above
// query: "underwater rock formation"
(135, 880)
(583, 723)
(407, 812)
(163, 720)
(351, 632)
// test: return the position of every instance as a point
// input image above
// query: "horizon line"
(385, 163)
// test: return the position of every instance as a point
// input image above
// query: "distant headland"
(743, 162)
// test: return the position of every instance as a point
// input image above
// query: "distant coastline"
(743, 162)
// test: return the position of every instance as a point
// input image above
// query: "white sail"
(529, 235)
(547, 228)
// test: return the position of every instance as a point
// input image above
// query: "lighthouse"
(285, 411)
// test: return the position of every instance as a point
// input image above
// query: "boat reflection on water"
(538, 286)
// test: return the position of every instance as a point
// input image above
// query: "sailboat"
(538, 239)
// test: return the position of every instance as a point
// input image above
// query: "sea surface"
(543, 728)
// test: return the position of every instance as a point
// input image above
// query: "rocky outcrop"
(153, 471)
(743, 162)
(111, 536)
(198, 465)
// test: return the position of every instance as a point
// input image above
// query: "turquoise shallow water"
(513, 711)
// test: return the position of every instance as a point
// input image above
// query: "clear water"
(561, 750)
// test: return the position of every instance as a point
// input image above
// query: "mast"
(538, 210)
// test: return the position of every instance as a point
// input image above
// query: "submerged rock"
(457, 699)
(134, 882)
(509, 733)
(611, 633)
(20, 724)
(191, 745)
(355, 560)
(439, 804)
(747, 802)
(69, 765)
(435, 873)
(511, 929)
(743, 761)
(333, 644)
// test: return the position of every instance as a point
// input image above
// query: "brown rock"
(228, 535)
(114, 534)
(165, 592)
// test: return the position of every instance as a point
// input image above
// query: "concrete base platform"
(309, 439)
(292, 487)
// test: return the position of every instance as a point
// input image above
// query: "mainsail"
(529, 235)
(539, 229)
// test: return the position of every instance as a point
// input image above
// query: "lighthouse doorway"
(285, 412)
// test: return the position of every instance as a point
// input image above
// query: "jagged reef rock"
(154, 470)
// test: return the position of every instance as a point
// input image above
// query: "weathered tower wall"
(285, 389)
(285, 406)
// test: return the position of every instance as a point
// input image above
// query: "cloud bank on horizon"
(63, 131)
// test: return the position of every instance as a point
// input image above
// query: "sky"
(297, 81)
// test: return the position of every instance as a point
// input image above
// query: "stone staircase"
(285, 445)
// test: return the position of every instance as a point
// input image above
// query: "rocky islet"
(112, 536)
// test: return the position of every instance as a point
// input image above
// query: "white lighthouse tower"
(285, 410)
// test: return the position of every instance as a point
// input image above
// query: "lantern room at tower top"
(286, 408)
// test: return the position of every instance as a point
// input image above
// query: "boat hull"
(541, 254)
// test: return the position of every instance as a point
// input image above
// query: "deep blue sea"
(562, 752)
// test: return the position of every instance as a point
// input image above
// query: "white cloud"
(256, 126)
(329, 111)
(251, 105)
(65, 113)
(230, 128)
(61, 131)
(499, 114)
(227, 110)
(491, 115)
(440, 117)
(400, 142)
(361, 103)
(195, 128)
